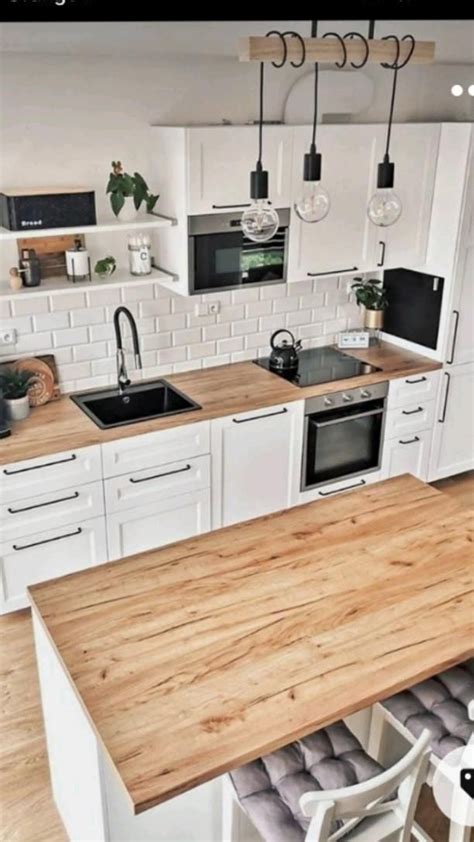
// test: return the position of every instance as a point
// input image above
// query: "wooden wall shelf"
(328, 50)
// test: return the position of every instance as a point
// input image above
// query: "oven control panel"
(334, 400)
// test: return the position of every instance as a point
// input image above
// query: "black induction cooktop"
(321, 365)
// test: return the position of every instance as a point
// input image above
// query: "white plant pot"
(18, 408)
(129, 211)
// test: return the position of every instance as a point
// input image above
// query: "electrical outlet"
(208, 308)
(214, 308)
(8, 336)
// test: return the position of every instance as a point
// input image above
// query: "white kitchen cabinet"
(410, 418)
(153, 449)
(343, 241)
(417, 387)
(219, 162)
(413, 150)
(50, 473)
(146, 487)
(407, 455)
(254, 458)
(453, 435)
(47, 555)
(163, 522)
(51, 510)
(339, 487)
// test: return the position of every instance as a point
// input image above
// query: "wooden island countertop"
(195, 658)
(219, 391)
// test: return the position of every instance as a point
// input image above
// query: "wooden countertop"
(220, 391)
(198, 657)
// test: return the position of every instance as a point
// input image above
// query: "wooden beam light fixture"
(329, 50)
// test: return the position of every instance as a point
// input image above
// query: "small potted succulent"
(127, 192)
(105, 267)
(372, 297)
(15, 385)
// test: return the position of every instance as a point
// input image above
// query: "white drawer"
(416, 387)
(50, 510)
(410, 419)
(333, 488)
(47, 555)
(407, 455)
(144, 487)
(152, 449)
(50, 473)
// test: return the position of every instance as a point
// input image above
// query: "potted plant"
(15, 385)
(371, 295)
(105, 267)
(127, 192)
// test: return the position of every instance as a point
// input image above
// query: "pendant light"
(260, 221)
(314, 203)
(385, 206)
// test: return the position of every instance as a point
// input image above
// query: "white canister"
(139, 254)
(77, 263)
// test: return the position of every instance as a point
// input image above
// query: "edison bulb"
(384, 207)
(314, 204)
(260, 222)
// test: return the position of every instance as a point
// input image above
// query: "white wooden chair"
(379, 808)
(385, 725)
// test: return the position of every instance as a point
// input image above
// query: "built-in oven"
(343, 435)
(221, 257)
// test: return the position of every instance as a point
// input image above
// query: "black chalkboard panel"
(414, 305)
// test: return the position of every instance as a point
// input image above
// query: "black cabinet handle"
(412, 411)
(41, 505)
(243, 205)
(37, 467)
(448, 383)
(257, 417)
(48, 540)
(382, 253)
(338, 490)
(409, 441)
(455, 336)
(418, 380)
(158, 476)
(333, 272)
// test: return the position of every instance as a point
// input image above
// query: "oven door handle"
(347, 418)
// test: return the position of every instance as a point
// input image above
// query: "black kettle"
(284, 357)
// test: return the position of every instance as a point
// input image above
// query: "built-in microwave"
(221, 257)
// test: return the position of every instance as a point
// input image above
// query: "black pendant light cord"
(260, 121)
(314, 33)
(392, 105)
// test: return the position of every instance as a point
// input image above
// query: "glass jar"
(139, 254)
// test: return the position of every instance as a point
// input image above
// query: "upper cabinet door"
(342, 241)
(414, 151)
(461, 338)
(220, 159)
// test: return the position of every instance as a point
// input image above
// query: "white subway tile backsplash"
(88, 316)
(71, 336)
(78, 328)
(245, 326)
(30, 306)
(48, 321)
(91, 351)
(202, 349)
(188, 336)
(67, 301)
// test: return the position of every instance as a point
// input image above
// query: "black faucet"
(122, 376)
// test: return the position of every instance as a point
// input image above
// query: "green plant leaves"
(151, 201)
(121, 185)
(370, 294)
(117, 200)
(15, 383)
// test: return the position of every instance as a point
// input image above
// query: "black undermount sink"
(139, 402)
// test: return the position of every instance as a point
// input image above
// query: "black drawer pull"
(338, 490)
(158, 476)
(36, 467)
(409, 441)
(332, 272)
(419, 380)
(412, 411)
(455, 336)
(446, 394)
(257, 417)
(40, 505)
(48, 540)
(242, 205)
(382, 254)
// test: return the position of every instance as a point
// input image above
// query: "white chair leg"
(377, 732)
(459, 833)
